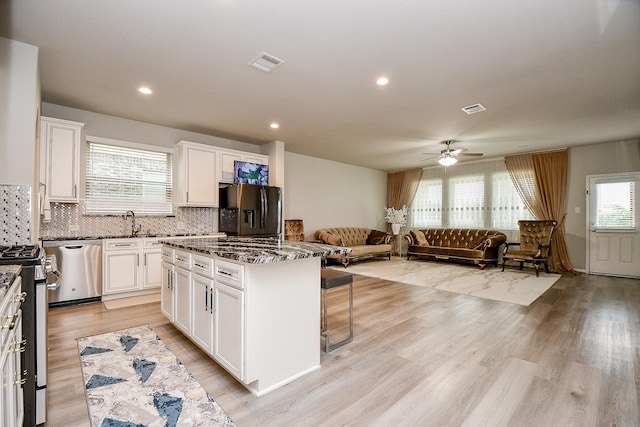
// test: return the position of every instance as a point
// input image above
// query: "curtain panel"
(401, 187)
(541, 180)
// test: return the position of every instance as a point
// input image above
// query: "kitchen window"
(124, 176)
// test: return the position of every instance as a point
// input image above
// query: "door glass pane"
(615, 203)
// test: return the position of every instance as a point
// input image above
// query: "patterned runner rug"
(132, 379)
(512, 285)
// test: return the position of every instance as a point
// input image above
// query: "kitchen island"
(253, 304)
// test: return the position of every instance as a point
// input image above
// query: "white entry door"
(613, 238)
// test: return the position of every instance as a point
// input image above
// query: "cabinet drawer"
(202, 265)
(167, 254)
(182, 259)
(230, 273)
(152, 243)
(121, 244)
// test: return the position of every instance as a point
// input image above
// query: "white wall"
(611, 157)
(19, 103)
(19, 112)
(143, 133)
(324, 194)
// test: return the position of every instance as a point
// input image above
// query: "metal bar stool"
(331, 279)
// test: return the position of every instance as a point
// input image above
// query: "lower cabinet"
(11, 348)
(131, 265)
(202, 296)
(260, 321)
(166, 300)
(229, 328)
(182, 299)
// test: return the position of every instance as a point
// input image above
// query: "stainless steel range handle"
(52, 286)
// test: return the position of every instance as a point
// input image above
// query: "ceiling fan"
(448, 156)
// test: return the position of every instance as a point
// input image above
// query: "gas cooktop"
(19, 252)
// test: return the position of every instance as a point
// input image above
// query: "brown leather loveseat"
(468, 245)
(364, 243)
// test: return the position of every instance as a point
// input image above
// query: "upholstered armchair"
(534, 246)
(294, 230)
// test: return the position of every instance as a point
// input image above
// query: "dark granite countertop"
(256, 250)
(128, 236)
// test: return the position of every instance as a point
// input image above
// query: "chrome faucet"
(134, 230)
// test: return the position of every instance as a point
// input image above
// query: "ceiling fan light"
(447, 161)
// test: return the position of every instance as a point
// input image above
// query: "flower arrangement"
(396, 216)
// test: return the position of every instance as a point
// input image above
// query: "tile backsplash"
(15, 214)
(68, 220)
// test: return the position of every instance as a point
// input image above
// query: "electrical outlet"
(74, 227)
(181, 226)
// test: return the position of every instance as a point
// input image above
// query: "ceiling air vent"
(265, 62)
(472, 109)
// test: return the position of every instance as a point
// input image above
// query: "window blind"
(471, 195)
(615, 205)
(121, 179)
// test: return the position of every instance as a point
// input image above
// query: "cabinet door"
(61, 141)
(151, 269)
(229, 328)
(121, 271)
(201, 182)
(227, 160)
(202, 311)
(182, 299)
(166, 301)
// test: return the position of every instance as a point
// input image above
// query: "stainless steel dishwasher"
(80, 266)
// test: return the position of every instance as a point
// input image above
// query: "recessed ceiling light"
(145, 90)
(382, 81)
(274, 125)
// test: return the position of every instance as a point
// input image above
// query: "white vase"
(395, 228)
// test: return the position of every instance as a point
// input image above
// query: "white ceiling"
(550, 73)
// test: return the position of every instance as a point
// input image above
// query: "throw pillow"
(376, 237)
(419, 238)
(481, 244)
(331, 239)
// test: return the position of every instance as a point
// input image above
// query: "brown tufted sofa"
(364, 243)
(475, 246)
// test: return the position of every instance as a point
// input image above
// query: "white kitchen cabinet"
(229, 328)
(151, 265)
(11, 347)
(202, 300)
(166, 300)
(195, 177)
(227, 159)
(60, 157)
(182, 299)
(121, 262)
(131, 265)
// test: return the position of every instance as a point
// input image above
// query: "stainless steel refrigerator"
(250, 210)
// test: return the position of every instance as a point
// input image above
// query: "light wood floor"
(420, 357)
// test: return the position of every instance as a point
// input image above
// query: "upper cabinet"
(60, 167)
(228, 157)
(199, 168)
(195, 175)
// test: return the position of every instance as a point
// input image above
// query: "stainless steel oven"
(37, 273)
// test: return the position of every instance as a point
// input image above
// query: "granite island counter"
(253, 304)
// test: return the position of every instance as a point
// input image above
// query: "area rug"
(113, 304)
(512, 285)
(132, 379)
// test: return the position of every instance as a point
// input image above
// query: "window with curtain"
(122, 178)
(507, 208)
(466, 201)
(470, 195)
(427, 204)
(615, 205)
